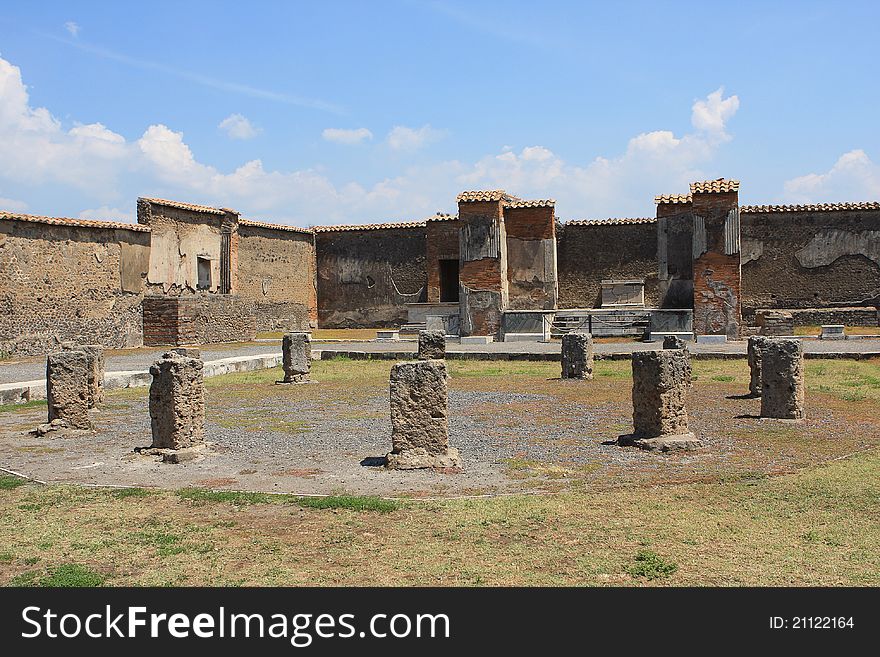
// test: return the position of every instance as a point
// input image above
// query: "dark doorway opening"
(448, 281)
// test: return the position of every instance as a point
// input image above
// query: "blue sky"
(353, 112)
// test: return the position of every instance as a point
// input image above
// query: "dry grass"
(703, 521)
(818, 527)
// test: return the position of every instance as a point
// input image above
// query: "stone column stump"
(177, 403)
(782, 379)
(432, 345)
(660, 383)
(296, 348)
(757, 345)
(577, 355)
(419, 409)
(95, 357)
(68, 392)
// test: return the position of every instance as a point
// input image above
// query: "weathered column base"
(419, 458)
(296, 379)
(673, 442)
(176, 456)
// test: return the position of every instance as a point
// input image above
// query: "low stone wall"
(197, 320)
(858, 316)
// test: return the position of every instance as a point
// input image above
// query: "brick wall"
(277, 272)
(66, 282)
(717, 278)
(590, 253)
(197, 319)
(441, 244)
(531, 258)
(366, 276)
(482, 269)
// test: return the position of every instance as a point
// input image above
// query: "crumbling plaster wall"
(366, 276)
(810, 259)
(276, 270)
(531, 258)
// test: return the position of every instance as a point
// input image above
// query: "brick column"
(717, 265)
(483, 294)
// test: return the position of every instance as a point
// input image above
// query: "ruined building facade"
(502, 266)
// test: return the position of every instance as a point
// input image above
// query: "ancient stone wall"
(675, 258)
(66, 280)
(276, 270)
(590, 252)
(366, 275)
(441, 244)
(530, 228)
(810, 258)
(483, 269)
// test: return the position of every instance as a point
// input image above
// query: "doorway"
(449, 281)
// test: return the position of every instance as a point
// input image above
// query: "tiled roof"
(818, 207)
(402, 224)
(520, 203)
(673, 198)
(65, 221)
(443, 216)
(186, 206)
(487, 195)
(719, 186)
(263, 224)
(611, 222)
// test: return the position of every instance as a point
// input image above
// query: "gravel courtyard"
(518, 427)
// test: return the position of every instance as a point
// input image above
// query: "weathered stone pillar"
(432, 345)
(296, 351)
(419, 408)
(660, 383)
(177, 402)
(482, 275)
(674, 342)
(577, 356)
(95, 357)
(716, 251)
(782, 379)
(757, 345)
(67, 388)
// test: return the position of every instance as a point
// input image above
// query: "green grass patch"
(66, 575)
(723, 377)
(8, 482)
(350, 502)
(14, 408)
(124, 493)
(650, 565)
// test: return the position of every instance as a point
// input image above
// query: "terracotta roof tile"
(673, 198)
(611, 222)
(402, 224)
(186, 206)
(82, 223)
(719, 186)
(520, 203)
(263, 224)
(486, 195)
(443, 216)
(818, 207)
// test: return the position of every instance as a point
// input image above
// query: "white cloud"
(238, 127)
(109, 172)
(345, 136)
(73, 28)
(711, 115)
(106, 213)
(402, 138)
(854, 177)
(12, 205)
